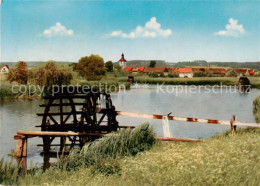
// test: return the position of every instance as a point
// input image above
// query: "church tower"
(122, 61)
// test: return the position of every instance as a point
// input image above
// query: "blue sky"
(35, 30)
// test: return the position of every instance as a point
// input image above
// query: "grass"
(221, 160)
(100, 157)
(255, 81)
(256, 104)
(9, 172)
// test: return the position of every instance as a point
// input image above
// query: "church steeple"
(122, 61)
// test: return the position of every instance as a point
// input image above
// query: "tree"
(152, 64)
(51, 75)
(118, 68)
(109, 66)
(92, 67)
(19, 74)
(231, 73)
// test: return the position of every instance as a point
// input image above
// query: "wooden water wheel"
(78, 110)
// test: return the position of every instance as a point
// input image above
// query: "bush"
(19, 74)
(161, 74)
(174, 75)
(231, 73)
(256, 110)
(153, 74)
(201, 74)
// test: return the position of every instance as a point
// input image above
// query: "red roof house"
(185, 70)
(4, 69)
(172, 70)
(141, 69)
(240, 72)
(128, 68)
(155, 69)
(251, 72)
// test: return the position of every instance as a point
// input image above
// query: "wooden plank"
(178, 139)
(63, 104)
(21, 147)
(84, 96)
(58, 113)
(58, 134)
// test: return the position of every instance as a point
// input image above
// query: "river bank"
(255, 81)
(115, 83)
(170, 163)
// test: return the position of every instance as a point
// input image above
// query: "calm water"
(21, 115)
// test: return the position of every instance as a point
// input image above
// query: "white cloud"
(58, 29)
(232, 29)
(151, 29)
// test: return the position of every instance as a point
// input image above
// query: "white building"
(4, 69)
(122, 61)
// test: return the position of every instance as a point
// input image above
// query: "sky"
(66, 30)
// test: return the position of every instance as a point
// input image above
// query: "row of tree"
(91, 67)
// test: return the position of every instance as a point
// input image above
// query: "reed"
(256, 110)
(126, 142)
(9, 172)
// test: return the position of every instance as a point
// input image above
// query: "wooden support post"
(21, 146)
(233, 127)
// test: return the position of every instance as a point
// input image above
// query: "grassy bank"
(255, 81)
(221, 160)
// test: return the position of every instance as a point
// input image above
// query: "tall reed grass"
(9, 172)
(126, 142)
(256, 110)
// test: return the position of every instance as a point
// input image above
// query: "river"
(203, 103)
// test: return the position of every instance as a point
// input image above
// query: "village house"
(240, 72)
(4, 69)
(158, 70)
(185, 72)
(127, 68)
(251, 72)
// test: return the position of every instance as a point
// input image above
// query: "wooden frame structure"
(77, 110)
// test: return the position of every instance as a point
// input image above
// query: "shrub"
(201, 74)
(256, 110)
(19, 74)
(173, 75)
(91, 67)
(153, 74)
(161, 74)
(231, 73)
